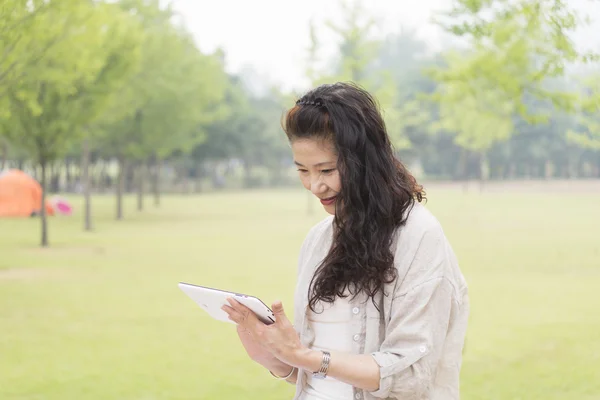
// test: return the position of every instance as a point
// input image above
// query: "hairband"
(311, 103)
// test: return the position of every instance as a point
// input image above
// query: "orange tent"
(20, 195)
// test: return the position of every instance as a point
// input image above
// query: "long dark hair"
(377, 191)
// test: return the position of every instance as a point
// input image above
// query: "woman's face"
(316, 160)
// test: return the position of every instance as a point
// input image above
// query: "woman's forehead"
(314, 151)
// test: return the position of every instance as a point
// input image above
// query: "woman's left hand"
(279, 338)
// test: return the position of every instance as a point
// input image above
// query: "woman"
(381, 306)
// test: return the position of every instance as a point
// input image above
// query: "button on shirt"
(416, 334)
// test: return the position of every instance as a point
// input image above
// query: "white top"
(333, 332)
(416, 331)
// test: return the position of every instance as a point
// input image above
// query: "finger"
(233, 314)
(279, 312)
(250, 319)
(278, 308)
(237, 306)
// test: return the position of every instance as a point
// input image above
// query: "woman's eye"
(327, 171)
(302, 171)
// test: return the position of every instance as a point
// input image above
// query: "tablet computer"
(211, 300)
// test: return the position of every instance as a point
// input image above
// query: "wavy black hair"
(377, 190)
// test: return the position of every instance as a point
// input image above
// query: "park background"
(159, 123)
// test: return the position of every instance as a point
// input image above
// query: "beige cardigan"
(417, 338)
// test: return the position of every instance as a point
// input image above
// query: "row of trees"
(517, 98)
(121, 79)
(88, 85)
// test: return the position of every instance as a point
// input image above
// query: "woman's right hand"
(255, 351)
(259, 354)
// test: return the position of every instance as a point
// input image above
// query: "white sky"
(271, 36)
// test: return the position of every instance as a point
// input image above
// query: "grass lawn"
(99, 315)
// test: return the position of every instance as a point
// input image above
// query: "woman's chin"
(330, 208)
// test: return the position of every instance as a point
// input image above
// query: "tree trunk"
(512, 170)
(43, 216)
(104, 182)
(4, 156)
(52, 185)
(581, 168)
(500, 172)
(198, 181)
(68, 183)
(276, 176)
(141, 176)
(572, 168)
(548, 169)
(462, 171)
(156, 181)
(182, 177)
(482, 170)
(248, 174)
(120, 187)
(129, 178)
(86, 185)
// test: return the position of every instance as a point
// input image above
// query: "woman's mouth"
(328, 201)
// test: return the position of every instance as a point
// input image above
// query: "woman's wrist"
(278, 367)
(284, 376)
(308, 359)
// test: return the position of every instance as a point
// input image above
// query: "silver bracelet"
(283, 377)
(322, 372)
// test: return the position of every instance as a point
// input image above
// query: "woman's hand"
(279, 339)
(255, 351)
(261, 355)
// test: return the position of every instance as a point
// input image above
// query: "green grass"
(99, 315)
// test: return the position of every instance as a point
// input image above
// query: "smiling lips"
(328, 201)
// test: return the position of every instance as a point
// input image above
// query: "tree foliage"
(587, 133)
(123, 80)
(518, 51)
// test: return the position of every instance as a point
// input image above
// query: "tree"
(357, 48)
(121, 46)
(517, 49)
(166, 105)
(359, 60)
(478, 120)
(403, 56)
(28, 34)
(68, 87)
(587, 135)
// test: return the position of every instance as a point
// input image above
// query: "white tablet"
(211, 300)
